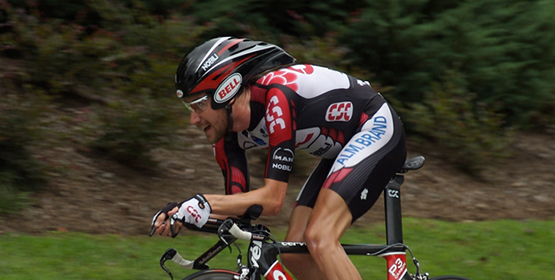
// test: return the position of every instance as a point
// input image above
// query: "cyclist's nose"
(195, 118)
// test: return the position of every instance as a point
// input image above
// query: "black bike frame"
(263, 255)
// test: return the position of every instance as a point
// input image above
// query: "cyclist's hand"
(195, 210)
(160, 221)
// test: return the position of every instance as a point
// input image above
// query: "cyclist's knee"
(318, 240)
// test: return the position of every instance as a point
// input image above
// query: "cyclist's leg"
(355, 181)
(328, 221)
(302, 265)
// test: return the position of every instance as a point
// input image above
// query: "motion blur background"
(90, 83)
(93, 140)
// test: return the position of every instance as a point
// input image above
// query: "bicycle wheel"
(449, 277)
(213, 274)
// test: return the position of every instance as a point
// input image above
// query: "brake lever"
(223, 228)
(172, 222)
(168, 255)
(152, 230)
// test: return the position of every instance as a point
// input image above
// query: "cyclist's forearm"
(271, 197)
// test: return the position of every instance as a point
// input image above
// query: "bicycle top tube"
(351, 249)
(241, 231)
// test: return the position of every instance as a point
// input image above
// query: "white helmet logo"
(228, 88)
(179, 93)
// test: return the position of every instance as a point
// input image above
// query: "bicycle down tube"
(264, 255)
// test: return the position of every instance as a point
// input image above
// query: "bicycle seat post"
(393, 218)
(392, 197)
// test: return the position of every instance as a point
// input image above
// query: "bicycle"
(264, 250)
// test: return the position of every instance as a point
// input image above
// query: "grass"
(480, 250)
(503, 249)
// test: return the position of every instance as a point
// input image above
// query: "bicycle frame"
(263, 255)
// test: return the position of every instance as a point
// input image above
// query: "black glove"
(164, 210)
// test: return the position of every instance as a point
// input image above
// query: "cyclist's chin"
(213, 135)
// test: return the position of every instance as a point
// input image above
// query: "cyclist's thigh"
(309, 192)
(305, 201)
(368, 161)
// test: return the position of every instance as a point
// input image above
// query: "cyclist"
(248, 94)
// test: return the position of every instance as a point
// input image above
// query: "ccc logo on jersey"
(340, 112)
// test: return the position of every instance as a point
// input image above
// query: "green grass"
(502, 249)
(479, 250)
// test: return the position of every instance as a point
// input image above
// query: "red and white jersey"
(306, 107)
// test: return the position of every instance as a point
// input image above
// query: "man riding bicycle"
(248, 94)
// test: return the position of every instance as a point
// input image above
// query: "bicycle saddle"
(412, 164)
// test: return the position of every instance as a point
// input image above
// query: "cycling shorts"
(364, 166)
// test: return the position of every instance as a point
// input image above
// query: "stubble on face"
(215, 126)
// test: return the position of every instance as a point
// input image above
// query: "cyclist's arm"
(280, 122)
(271, 196)
(232, 159)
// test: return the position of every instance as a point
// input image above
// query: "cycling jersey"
(329, 114)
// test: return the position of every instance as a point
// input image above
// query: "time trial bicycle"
(264, 250)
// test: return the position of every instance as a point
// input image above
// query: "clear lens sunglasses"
(197, 105)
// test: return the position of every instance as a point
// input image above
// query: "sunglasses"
(197, 105)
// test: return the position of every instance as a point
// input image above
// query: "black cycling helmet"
(220, 66)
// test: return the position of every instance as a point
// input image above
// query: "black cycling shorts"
(364, 166)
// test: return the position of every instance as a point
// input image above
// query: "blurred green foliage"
(133, 127)
(20, 129)
(124, 72)
(129, 66)
(469, 132)
(461, 72)
(297, 18)
(503, 48)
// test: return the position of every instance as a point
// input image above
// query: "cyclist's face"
(212, 122)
